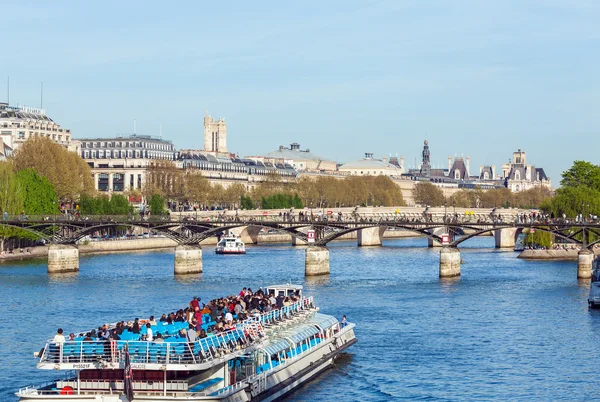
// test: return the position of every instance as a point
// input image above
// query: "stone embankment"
(560, 254)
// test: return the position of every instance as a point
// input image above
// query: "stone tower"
(426, 162)
(215, 134)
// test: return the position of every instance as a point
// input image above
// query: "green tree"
(69, 174)
(583, 174)
(246, 202)
(157, 204)
(39, 195)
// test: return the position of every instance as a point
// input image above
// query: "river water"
(506, 330)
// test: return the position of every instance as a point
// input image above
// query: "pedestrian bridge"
(446, 232)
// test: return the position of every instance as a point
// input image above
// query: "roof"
(293, 154)
(369, 163)
(458, 166)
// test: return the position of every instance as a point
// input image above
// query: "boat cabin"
(285, 290)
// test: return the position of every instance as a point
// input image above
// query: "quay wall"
(570, 255)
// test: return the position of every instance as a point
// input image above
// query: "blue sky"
(474, 77)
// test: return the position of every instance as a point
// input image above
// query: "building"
(18, 124)
(119, 164)
(519, 176)
(227, 170)
(370, 166)
(215, 135)
(301, 160)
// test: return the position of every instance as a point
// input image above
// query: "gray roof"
(458, 165)
(286, 153)
(369, 163)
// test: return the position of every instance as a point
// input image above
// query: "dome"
(368, 162)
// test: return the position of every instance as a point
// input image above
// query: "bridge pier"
(188, 260)
(585, 261)
(370, 236)
(62, 258)
(505, 238)
(449, 262)
(317, 261)
(433, 243)
(248, 234)
(298, 242)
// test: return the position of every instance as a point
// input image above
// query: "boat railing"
(143, 352)
(274, 316)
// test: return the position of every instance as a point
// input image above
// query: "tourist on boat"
(194, 304)
(191, 334)
(152, 321)
(159, 338)
(149, 335)
(163, 318)
(59, 338)
(71, 337)
(343, 323)
(88, 337)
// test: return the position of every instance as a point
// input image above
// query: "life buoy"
(66, 390)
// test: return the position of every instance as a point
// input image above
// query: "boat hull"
(229, 252)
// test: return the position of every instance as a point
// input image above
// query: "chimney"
(468, 166)
(385, 159)
(494, 172)
(402, 164)
(449, 162)
(480, 170)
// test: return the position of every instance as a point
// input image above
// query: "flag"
(128, 377)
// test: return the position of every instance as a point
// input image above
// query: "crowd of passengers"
(203, 320)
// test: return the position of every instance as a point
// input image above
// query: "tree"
(427, 194)
(233, 193)
(39, 195)
(582, 173)
(157, 204)
(68, 173)
(246, 202)
(572, 201)
(197, 188)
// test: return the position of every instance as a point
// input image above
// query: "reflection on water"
(506, 329)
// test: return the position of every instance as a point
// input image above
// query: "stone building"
(520, 176)
(370, 166)
(301, 160)
(215, 135)
(120, 163)
(18, 124)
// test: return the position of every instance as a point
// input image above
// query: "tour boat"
(262, 359)
(230, 245)
(594, 296)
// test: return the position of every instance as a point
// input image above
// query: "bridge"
(63, 234)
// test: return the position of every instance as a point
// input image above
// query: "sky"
(476, 78)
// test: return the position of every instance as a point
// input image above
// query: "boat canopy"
(302, 332)
(276, 347)
(323, 321)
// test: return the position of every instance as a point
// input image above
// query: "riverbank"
(549, 255)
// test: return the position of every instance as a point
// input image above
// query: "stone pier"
(62, 258)
(433, 243)
(188, 260)
(585, 261)
(505, 238)
(248, 234)
(370, 236)
(317, 261)
(298, 242)
(449, 262)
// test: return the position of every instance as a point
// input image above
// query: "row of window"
(102, 154)
(34, 127)
(128, 144)
(22, 135)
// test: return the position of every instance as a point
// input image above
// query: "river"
(508, 329)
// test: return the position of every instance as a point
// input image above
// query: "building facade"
(215, 135)
(520, 176)
(18, 124)
(120, 163)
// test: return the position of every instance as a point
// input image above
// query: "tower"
(426, 165)
(215, 134)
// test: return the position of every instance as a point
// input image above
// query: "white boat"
(594, 296)
(230, 244)
(262, 359)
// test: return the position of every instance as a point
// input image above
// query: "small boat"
(520, 242)
(261, 358)
(230, 244)
(594, 297)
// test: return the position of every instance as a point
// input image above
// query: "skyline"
(342, 79)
